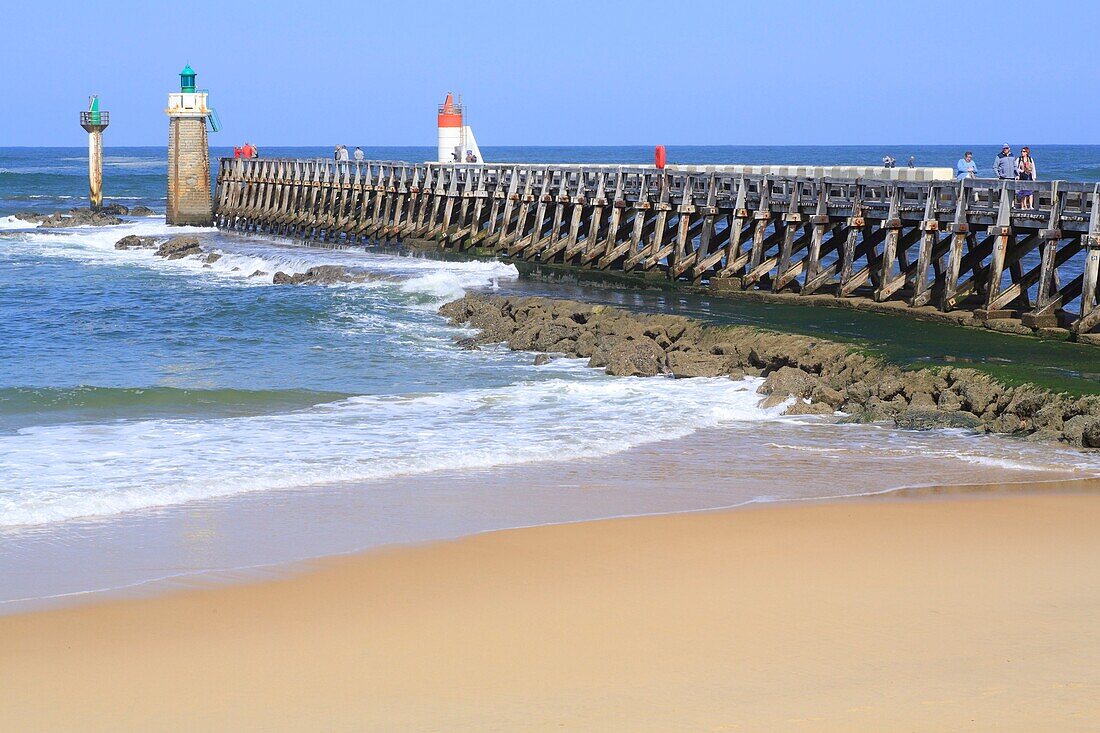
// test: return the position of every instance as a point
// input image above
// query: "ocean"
(172, 420)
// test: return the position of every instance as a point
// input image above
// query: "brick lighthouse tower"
(189, 154)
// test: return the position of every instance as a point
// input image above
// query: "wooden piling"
(957, 246)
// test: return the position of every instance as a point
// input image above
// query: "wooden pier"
(930, 245)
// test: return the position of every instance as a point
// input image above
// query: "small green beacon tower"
(189, 201)
(95, 122)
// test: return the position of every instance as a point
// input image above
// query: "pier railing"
(925, 244)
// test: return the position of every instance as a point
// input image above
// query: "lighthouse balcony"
(187, 104)
(94, 119)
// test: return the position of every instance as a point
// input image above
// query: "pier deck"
(943, 244)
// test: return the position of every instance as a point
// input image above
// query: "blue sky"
(562, 72)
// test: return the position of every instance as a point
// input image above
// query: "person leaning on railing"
(1025, 171)
(966, 167)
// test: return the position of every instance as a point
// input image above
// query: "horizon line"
(595, 145)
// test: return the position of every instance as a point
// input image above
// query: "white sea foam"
(240, 260)
(59, 472)
(111, 161)
(12, 222)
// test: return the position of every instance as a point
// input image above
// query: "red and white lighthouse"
(456, 139)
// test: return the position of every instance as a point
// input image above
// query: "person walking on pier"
(1004, 167)
(966, 167)
(1025, 171)
(358, 154)
(342, 155)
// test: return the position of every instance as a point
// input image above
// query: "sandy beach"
(960, 613)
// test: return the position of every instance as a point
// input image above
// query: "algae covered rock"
(932, 419)
(133, 241)
(682, 364)
(179, 247)
(636, 358)
(802, 407)
(319, 275)
(1090, 434)
(814, 375)
(788, 381)
(80, 217)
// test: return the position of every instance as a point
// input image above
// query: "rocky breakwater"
(71, 218)
(77, 217)
(174, 248)
(321, 275)
(822, 376)
(189, 245)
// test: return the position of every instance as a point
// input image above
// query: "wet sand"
(253, 536)
(938, 614)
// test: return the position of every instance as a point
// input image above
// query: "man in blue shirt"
(966, 167)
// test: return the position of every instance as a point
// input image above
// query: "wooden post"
(580, 204)
(479, 195)
(681, 252)
(960, 231)
(425, 203)
(889, 283)
(792, 223)
(438, 195)
(519, 231)
(498, 195)
(616, 249)
(1001, 233)
(460, 229)
(735, 259)
(1090, 311)
(650, 255)
(530, 240)
(399, 208)
(763, 217)
(820, 223)
(509, 204)
(922, 289)
(703, 260)
(598, 248)
(449, 204)
(569, 193)
(1046, 298)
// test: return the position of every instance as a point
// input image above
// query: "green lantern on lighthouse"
(187, 80)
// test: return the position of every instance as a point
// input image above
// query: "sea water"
(160, 418)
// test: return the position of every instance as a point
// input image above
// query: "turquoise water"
(137, 394)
